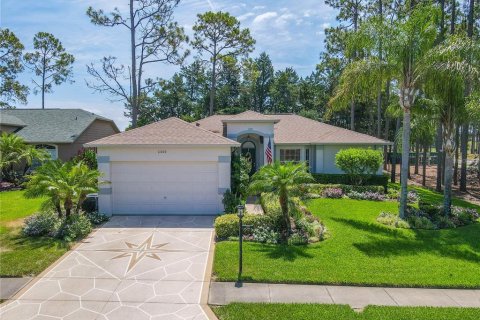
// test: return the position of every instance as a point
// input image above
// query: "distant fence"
(432, 158)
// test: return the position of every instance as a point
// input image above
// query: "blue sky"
(291, 32)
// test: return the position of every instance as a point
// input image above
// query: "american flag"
(268, 152)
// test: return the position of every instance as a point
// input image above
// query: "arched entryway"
(249, 151)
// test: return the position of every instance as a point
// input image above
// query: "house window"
(287, 155)
(51, 149)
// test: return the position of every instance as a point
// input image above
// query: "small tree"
(241, 168)
(11, 90)
(50, 62)
(358, 162)
(14, 153)
(280, 179)
(66, 185)
(219, 35)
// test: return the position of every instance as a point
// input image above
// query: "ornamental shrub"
(297, 238)
(75, 227)
(358, 162)
(227, 225)
(41, 224)
(334, 193)
(373, 196)
(316, 188)
(265, 235)
(230, 201)
(96, 218)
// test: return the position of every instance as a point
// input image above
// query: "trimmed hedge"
(227, 225)
(368, 180)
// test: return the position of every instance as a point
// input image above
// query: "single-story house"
(62, 132)
(176, 167)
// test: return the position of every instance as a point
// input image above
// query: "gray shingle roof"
(170, 131)
(51, 125)
(9, 120)
(294, 129)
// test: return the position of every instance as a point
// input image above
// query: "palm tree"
(280, 179)
(14, 152)
(410, 40)
(64, 184)
(456, 65)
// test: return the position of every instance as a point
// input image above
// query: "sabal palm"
(64, 184)
(410, 43)
(280, 179)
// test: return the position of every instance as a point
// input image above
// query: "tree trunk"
(393, 175)
(213, 88)
(405, 162)
(449, 154)
(438, 147)
(424, 166)
(385, 148)
(352, 116)
(68, 207)
(453, 16)
(58, 208)
(417, 156)
(43, 81)
(455, 166)
(134, 67)
(283, 198)
(463, 166)
(474, 137)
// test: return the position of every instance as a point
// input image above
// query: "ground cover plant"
(254, 311)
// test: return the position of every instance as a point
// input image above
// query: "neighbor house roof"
(171, 131)
(52, 125)
(294, 129)
(10, 120)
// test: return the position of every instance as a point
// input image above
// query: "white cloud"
(261, 19)
(245, 16)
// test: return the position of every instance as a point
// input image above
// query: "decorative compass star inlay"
(137, 252)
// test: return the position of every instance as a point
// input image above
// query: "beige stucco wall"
(97, 130)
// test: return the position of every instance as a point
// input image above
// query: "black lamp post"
(240, 210)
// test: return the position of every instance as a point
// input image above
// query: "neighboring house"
(62, 132)
(175, 167)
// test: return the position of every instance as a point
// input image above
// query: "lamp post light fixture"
(240, 212)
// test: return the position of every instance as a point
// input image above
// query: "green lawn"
(360, 251)
(20, 255)
(254, 311)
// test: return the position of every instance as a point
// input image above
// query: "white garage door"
(165, 187)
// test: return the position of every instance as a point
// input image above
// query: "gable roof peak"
(249, 116)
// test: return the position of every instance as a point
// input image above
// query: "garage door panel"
(165, 187)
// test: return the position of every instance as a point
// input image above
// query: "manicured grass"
(254, 311)
(14, 206)
(20, 255)
(360, 251)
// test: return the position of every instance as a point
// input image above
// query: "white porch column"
(105, 188)
(224, 174)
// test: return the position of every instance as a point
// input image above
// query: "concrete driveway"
(132, 268)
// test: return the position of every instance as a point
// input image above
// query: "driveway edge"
(207, 280)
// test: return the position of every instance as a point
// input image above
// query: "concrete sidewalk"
(222, 293)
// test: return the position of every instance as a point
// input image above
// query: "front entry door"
(249, 151)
